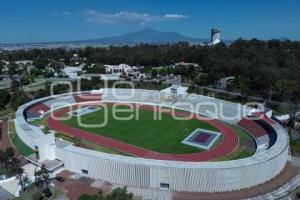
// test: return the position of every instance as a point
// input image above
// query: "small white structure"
(176, 89)
(110, 77)
(283, 118)
(262, 109)
(186, 64)
(24, 62)
(223, 83)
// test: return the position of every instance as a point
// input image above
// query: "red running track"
(228, 145)
(39, 107)
(253, 127)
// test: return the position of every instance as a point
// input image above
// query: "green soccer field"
(163, 135)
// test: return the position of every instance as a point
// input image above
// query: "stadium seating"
(209, 106)
(62, 101)
(257, 131)
(36, 110)
(87, 97)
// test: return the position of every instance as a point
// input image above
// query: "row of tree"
(12, 166)
(265, 68)
(116, 194)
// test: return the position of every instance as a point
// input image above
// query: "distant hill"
(282, 39)
(146, 36)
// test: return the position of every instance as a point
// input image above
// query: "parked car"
(59, 178)
(3, 177)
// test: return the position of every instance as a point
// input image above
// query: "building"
(72, 72)
(112, 69)
(224, 83)
(215, 36)
(177, 89)
(186, 64)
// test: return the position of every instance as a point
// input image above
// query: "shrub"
(47, 192)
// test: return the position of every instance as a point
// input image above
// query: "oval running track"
(228, 145)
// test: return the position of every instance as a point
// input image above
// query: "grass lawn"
(41, 122)
(3, 171)
(163, 135)
(295, 146)
(20, 145)
(100, 148)
(25, 150)
(241, 152)
(243, 135)
(74, 140)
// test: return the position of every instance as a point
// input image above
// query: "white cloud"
(174, 16)
(63, 14)
(66, 13)
(126, 17)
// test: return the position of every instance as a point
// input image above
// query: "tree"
(40, 63)
(117, 194)
(15, 85)
(23, 178)
(163, 71)
(12, 68)
(96, 69)
(4, 98)
(287, 87)
(2, 157)
(154, 73)
(42, 177)
(257, 64)
(9, 161)
(120, 194)
(18, 98)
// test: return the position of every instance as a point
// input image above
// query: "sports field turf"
(20, 145)
(163, 135)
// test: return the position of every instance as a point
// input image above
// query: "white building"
(24, 62)
(215, 36)
(112, 69)
(176, 89)
(186, 64)
(72, 72)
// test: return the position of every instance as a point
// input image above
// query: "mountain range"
(145, 36)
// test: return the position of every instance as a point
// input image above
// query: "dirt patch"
(75, 187)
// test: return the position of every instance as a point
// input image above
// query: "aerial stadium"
(166, 139)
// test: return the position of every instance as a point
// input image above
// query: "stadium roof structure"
(176, 88)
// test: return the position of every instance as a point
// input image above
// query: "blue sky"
(60, 20)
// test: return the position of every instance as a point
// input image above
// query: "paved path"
(4, 141)
(5, 195)
(228, 145)
(296, 161)
(75, 187)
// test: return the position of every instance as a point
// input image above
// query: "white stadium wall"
(181, 176)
